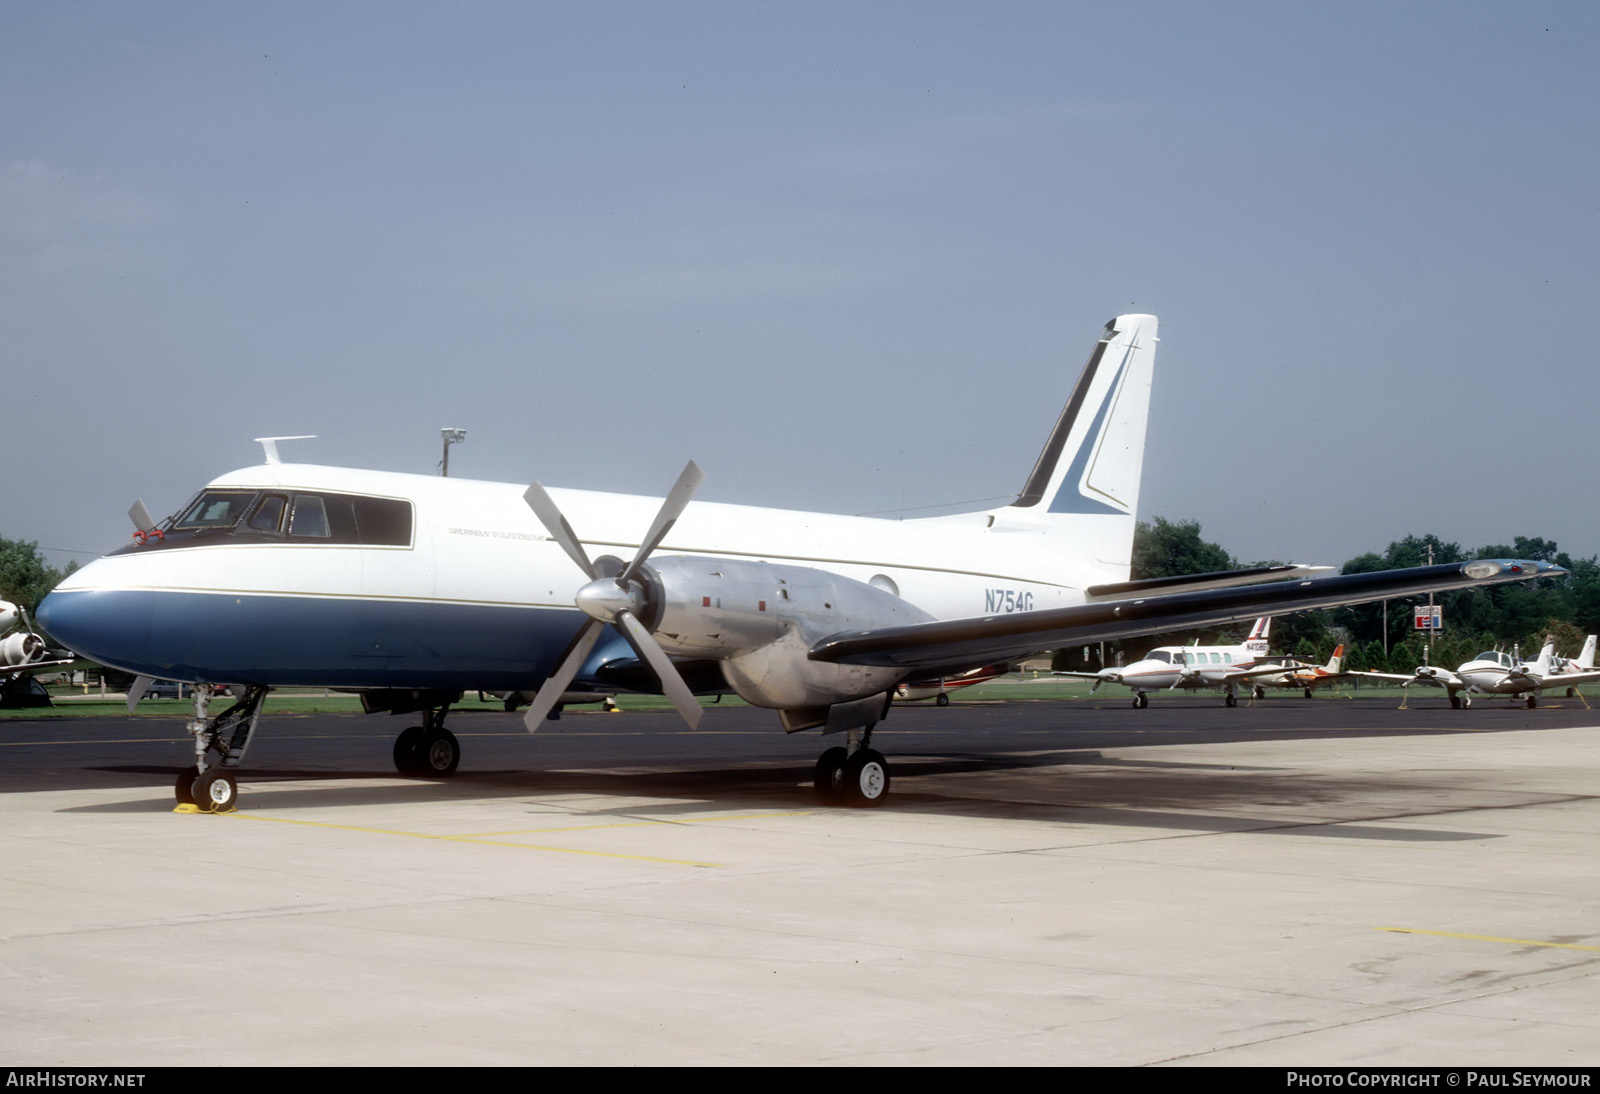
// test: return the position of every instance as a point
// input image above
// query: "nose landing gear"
(220, 742)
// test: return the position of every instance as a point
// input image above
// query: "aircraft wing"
(1264, 670)
(988, 638)
(1439, 679)
(1569, 679)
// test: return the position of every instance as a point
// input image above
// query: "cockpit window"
(268, 516)
(215, 509)
(1159, 655)
(285, 517)
(310, 517)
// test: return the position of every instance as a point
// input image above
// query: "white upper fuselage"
(477, 545)
(478, 542)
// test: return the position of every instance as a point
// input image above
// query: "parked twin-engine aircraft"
(1495, 672)
(414, 589)
(1308, 678)
(1194, 667)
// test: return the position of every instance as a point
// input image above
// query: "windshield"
(215, 509)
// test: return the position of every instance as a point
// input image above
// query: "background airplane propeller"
(617, 599)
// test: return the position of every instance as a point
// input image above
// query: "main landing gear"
(1140, 700)
(853, 775)
(428, 751)
(220, 741)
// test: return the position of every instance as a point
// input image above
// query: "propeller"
(617, 599)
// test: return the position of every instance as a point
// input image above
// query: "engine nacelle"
(760, 619)
(20, 649)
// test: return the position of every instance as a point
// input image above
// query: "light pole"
(451, 436)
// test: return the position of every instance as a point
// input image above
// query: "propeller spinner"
(618, 600)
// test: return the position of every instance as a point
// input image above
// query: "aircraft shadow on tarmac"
(1123, 793)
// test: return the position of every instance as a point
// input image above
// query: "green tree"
(1166, 548)
(24, 575)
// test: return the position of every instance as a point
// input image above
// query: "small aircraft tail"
(1336, 662)
(1547, 654)
(1585, 659)
(1085, 485)
(1258, 634)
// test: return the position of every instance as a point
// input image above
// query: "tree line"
(1381, 637)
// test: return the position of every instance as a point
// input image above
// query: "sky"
(847, 256)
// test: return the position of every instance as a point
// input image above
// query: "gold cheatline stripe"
(1491, 938)
(470, 839)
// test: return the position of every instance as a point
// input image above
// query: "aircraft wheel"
(1231, 701)
(1572, 693)
(406, 760)
(829, 779)
(1140, 701)
(1533, 701)
(438, 754)
(1455, 701)
(866, 778)
(511, 703)
(1308, 693)
(184, 787)
(943, 700)
(1259, 693)
(216, 791)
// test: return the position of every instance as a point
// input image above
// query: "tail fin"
(1257, 642)
(1547, 654)
(1585, 659)
(1086, 481)
(1336, 662)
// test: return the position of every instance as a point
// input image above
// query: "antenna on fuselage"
(270, 444)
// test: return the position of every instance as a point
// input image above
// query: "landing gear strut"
(220, 742)
(428, 751)
(856, 775)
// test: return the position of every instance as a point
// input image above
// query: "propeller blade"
(140, 685)
(550, 692)
(550, 516)
(142, 520)
(672, 685)
(671, 509)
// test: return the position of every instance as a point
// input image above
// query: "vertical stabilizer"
(1085, 485)
(1585, 659)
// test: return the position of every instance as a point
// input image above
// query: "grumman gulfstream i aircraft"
(413, 589)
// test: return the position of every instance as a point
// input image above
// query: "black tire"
(184, 787)
(1258, 692)
(829, 776)
(866, 779)
(1533, 701)
(943, 700)
(216, 791)
(1455, 702)
(1230, 701)
(1140, 701)
(438, 754)
(1308, 693)
(406, 760)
